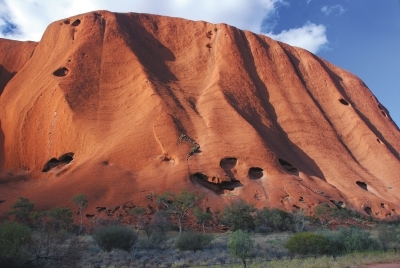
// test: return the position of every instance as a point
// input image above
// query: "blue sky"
(361, 36)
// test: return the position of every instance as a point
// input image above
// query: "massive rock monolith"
(124, 106)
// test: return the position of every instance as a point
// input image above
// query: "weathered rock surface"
(122, 106)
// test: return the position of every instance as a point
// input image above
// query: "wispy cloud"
(337, 9)
(311, 37)
(30, 18)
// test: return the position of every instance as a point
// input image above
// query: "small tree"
(241, 245)
(299, 220)
(178, 204)
(22, 209)
(60, 218)
(202, 217)
(81, 201)
(137, 213)
(239, 215)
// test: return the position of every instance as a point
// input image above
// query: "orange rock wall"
(276, 125)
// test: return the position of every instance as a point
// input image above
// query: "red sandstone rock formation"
(122, 106)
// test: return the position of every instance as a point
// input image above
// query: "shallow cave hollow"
(256, 173)
(54, 162)
(344, 102)
(286, 165)
(228, 162)
(362, 185)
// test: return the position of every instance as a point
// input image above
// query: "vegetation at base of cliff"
(258, 237)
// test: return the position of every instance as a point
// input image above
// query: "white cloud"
(311, 37)
(338, 9)
(32, 17)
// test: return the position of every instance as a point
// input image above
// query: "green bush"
(308, 244)
(13, 239)
(115, 236)
(239, 215)
(152, 241)
(273, 220)
(356, 239)
(193, 241)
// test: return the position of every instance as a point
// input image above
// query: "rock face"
(123, 106)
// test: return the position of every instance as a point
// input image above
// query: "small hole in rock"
(362, 185)
(368, 210)
(256, 173)
(89, 216)
(76, 22)
(344, 102)
(301, 199)
(61, 72)
(296, 207)
(228, 162)
(208, 45)
(100, 209)
(384, 114)
(378, 140)
(286, 165)
(67, 22)
(382, 205)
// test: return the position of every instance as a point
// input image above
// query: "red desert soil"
(111, 105)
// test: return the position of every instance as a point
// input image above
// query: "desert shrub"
(356, 239)
(308, 244)
(14, 238)
(55, 248)
(193, 241)
(238, 215)
(159, 224)
(151, 242)
(115, 236)
(387, 236)
(273, 220)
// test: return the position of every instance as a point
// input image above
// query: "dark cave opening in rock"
(256, 173)
(368, 210)
(219, 188)
(344, 102)
(60, 72)
(54, 162)
(286, 165)
(76, 22)
(228, 162)
(362, 185)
